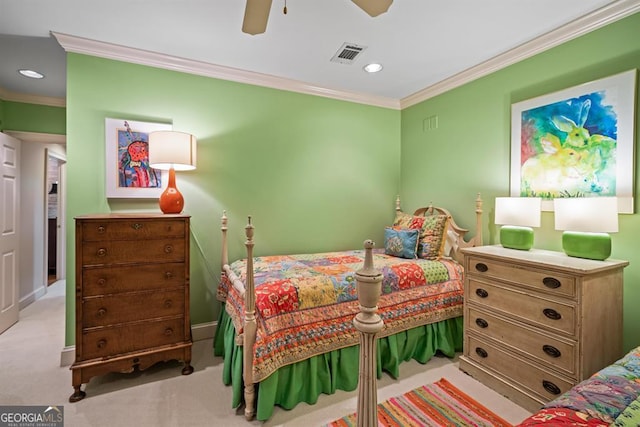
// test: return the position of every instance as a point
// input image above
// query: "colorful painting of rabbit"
(569, 148)
(577, 142)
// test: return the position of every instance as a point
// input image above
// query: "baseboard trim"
(203, 331)
(32, 297)
(199, 332)
(68, 355)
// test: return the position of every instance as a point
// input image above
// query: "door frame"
(60, 221)
(53, 139)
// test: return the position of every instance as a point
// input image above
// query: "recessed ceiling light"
(372, 68)
(31, 74)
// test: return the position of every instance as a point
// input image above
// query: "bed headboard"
(455, 233)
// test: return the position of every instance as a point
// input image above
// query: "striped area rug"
(439, 405)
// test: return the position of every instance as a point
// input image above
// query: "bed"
(609, 397)
(295, 312)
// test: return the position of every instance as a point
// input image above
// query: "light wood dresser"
(132, 294)
(538, 322)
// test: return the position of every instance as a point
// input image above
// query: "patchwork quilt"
(305, 304)
(609, 398)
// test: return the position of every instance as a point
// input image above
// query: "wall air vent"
(348, 53)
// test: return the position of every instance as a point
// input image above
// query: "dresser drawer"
(546, 385)
(103, 280)
(122, 308)
(132, 229)
(104, 342)
(547, 281)
(561, 354)
(526, 306)
(122, 251)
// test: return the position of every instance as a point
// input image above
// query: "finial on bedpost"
(249, 231)
(368, 268)
(369, 323)
(398, 208)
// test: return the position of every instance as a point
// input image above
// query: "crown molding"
(85, 46)
(593, 21)
(606, 15)
(5, 95)
(45, 138)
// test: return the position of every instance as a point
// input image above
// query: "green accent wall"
(473, 133)
(27, 117)
(316, 174)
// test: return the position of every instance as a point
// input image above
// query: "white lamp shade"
(169, 149)
(521, 211)
(590, 214)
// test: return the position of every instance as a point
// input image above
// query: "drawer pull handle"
(102, 343)
(168, 332)
(168, 303)
(551, 350)
(168, 249)
(101, 229)
(168, 275)
(482, 323)
(551, 387)
(102, 312)
(102, 252)
(481, 352)
(552, 314)
(482, 267)
(482, 293)
(551, 282)
(136, 360)
(136, 226)
(102, 282)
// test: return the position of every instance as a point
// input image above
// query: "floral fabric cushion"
(432, 232)
(401, 242)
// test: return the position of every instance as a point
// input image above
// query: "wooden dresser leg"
(78, 394)
(188, 369)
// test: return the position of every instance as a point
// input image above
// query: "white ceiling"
(420, 43)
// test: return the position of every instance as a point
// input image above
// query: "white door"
(9, 206)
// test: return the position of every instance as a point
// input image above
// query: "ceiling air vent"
(347, 53)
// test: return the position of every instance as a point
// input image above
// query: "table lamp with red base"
(172, 151)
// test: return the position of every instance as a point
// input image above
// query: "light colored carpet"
(161, 396)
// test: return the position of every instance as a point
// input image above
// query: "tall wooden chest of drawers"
(538, 322)
(132, 294)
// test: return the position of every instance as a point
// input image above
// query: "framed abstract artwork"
(127, 156)
(577, 142)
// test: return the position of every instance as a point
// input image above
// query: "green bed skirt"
(337, 370)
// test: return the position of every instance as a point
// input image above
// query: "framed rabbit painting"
(578, 142)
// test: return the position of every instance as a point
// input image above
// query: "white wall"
(33, 278)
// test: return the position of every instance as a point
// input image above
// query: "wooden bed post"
(478, 238)
(249, 329)
(398, 208)
(369, 323)
(225, 256)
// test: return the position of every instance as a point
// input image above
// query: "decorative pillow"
(401, 242)
(404, 220)
(433, 237)
(432, 232)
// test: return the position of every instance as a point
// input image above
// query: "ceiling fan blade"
(256, 15)
(373, 7)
